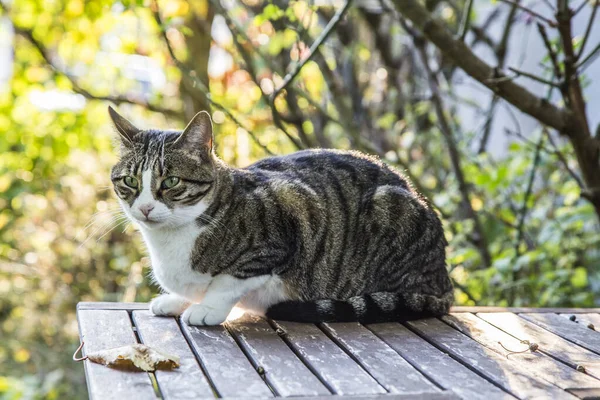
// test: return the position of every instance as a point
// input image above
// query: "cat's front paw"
(168, 305)
(201, 315)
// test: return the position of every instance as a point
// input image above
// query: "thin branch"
(551, 52)
(313, 48)
(196, 83)
(531, 12)
(501, 51)
(588, 29)
(583, 4)
(528, 190)
(581, 66)
(563, 161)
(534, 77)
(463, 186)
(466, 20)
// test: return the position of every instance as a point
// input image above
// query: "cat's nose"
(146, 208)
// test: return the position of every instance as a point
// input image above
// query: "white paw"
(201, 315)
(168, 305)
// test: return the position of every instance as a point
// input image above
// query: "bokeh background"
(508, 189)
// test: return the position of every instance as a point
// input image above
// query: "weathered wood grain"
(283, 370)
(496, 368)
(476, 309)
(549, 343)
(102, 330)
(438, 366)
(328, 361)
(187, 381)
(537, 363)
(392, 372)
(565, 328)
(230, 372)
(585, 319)
(105, 305)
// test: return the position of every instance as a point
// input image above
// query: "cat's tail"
(367, 308)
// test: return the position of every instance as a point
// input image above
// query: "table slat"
(230, 372)
(585, 319)
(438, 366)
(283, 370)
(551, 344)
(328, 361)
(541, 365)
(187, 381)
(392, 372)
(496, 368)
(565, 328)
(103, 330)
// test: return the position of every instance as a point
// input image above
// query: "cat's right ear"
(125, 128)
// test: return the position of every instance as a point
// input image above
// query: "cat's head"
(164, 178)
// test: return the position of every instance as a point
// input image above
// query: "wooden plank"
(563, 327)
(105, 305)
(550, 344)
(496, 368)
(328, 361)
(445, 395)
(537, 363)
(444, 370)
(283, 370)
(585, 319)
(229, 371)
(586, 394)
(477, 309)
(187, 381)
(102, 330)
(392, 372)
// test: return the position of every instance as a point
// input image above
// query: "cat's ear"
(198, 134)
(125, 128)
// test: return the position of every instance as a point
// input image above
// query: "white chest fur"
(170, 252)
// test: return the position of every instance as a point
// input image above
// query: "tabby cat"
(314, 236)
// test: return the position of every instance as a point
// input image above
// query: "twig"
(551, 52)
(531, 346)
(531, 12)
(500, 51)
(580, 7)
(588, 29)
(313, 48)
(581, 66)
(75, 358)
(564, 162)
(197, 83)
(534, 77)
(466, 20)
(523, 211)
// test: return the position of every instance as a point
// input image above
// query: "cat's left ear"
(198, 134)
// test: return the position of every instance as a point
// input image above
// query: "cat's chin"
(152, 225)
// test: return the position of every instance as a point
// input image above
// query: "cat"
(314, 236)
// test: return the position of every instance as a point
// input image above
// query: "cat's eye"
(170, 182)
(131, 182)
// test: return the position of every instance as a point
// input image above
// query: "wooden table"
(457, 356)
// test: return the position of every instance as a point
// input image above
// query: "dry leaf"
(132, 357)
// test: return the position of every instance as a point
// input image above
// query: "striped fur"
(346, 236)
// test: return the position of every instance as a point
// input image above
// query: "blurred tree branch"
(116, 99)
(198, 89)
(570, 121)
(479, 237)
